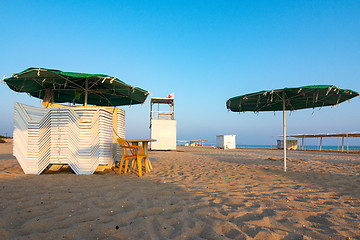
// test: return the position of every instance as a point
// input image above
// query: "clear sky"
(203, 51)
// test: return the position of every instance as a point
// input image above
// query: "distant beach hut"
(81, 136)
(290, 144)
(226, 141)
(290, 99)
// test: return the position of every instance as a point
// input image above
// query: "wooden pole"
(86, 91)
(298, 143)
(302, 144)
(284, 131)
(320, 143)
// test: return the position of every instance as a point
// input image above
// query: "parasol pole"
(284, 131)
(86, 91)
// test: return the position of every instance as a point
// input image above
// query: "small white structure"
(81, 137)
(225, 141)
(162, 125)
(290, 144)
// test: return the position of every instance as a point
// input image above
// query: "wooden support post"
(297, 143)
(284, 131)
(302, 144)
(86, 91)
(320, 143)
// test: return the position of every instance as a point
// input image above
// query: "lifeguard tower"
(162, 124)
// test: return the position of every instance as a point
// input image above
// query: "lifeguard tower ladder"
(162, 124)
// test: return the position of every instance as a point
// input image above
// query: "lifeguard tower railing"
(159, 113)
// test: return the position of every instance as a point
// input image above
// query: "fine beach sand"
(192, 193)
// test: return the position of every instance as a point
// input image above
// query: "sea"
(351, 148)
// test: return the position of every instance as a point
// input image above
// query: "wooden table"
(145, 144)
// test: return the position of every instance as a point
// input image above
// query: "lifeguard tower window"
(159, 108)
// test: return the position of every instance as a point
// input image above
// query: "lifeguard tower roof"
(162, 100)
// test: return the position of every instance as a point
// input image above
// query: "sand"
(193, 193)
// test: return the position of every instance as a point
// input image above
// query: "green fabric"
(295, 98)
(104, 90)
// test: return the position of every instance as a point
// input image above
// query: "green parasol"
(81, 88)
(290, 99)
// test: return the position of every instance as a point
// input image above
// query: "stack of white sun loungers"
(81, 137)
(119, 131)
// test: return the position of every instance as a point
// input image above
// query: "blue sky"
(203, 51)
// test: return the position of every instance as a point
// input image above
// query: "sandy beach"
(192, 193)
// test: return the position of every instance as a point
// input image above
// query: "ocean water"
(351, 148)
(324, 147)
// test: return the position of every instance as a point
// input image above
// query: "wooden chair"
(129, 152)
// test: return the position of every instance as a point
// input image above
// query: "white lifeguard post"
(162, 124)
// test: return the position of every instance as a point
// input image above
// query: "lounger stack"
(119, 127)
(80, 137)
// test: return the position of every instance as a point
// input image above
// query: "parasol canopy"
(81, 88)
(295, 98)
(290, 99)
